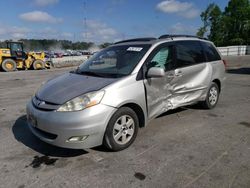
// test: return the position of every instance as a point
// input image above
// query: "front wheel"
(9, 65)
(212, 97)
(121, 130)
(38, 64)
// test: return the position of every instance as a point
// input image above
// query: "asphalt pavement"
(187, 147)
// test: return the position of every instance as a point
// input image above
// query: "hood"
(68, 86)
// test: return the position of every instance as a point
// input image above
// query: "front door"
(158, 90)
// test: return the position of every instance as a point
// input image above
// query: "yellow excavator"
(13, 58)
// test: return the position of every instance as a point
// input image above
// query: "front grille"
(44, 105)
(43, 109)
(45, 134)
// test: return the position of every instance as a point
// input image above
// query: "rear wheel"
(8, 65)
(121, 130)
(212, 97)
(38, 64)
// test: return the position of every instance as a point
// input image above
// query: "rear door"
(192, 73)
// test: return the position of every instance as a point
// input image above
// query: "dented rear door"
(192, 74)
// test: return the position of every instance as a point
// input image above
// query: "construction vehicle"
(13, 57)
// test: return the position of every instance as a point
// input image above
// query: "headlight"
(82, 102)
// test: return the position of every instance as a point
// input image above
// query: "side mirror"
(156, 72)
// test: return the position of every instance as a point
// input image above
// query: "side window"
(211, 52)
(162, 57)
(189, 53)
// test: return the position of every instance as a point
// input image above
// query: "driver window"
(162, 58)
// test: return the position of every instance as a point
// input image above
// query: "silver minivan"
(122, 87)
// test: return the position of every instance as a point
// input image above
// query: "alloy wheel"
(124, 129)
(213, 96)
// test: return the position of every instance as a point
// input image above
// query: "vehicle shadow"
(244, 70)
(102, 148)
(196, 106)
(169, 112)
(23, 134)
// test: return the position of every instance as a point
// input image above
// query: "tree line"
(54, 45)
(228, 27)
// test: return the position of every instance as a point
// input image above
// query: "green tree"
(231, 27)
(216, 26)
(205, 18)
(212, 22)
(236, 20)
(104, 45)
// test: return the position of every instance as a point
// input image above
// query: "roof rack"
(136, 40)
(174, 36)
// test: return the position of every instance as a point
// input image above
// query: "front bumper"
(57, 127)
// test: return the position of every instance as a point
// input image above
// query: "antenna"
(85, 22)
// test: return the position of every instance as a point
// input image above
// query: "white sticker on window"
(134, 49)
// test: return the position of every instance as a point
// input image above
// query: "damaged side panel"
(192, 85)
(157, 95)
(179, 87)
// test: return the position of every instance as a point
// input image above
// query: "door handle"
(170, 75)
(178, 73)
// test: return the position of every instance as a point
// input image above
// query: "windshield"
(114, 61)
(16, 47)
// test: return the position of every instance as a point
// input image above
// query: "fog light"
(77, 139)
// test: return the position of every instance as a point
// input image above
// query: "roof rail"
(173, 36)
(136, 40)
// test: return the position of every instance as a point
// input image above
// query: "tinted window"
(162, 57)
(211, 52)
(189, 53)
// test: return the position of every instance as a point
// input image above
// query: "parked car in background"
(85, 52)
(58, 54)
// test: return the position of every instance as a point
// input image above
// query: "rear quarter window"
(210, 52)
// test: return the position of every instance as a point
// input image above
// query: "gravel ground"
(187, 147)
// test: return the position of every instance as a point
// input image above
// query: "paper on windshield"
(135, 49)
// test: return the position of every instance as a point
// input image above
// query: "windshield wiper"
(89, 73)
(97, 74)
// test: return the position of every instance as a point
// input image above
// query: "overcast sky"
(106, 20)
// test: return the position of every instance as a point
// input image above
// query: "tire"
(38, 64)
(121, 130)
(49, 65)
(212, 97)
(8, 65)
